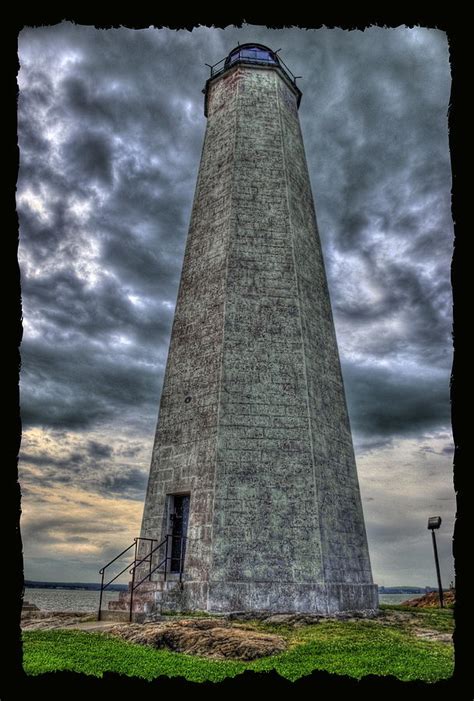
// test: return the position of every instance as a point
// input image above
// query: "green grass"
(430, 618)
(352, 648)
(95, 653)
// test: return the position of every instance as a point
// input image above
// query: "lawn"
(354, 648)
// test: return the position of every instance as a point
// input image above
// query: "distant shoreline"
(95, 586)
(85, 586)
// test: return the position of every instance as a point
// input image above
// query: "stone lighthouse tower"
(253, 499)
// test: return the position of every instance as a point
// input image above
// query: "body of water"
(87, 600)
(397, 598)
(68, 599)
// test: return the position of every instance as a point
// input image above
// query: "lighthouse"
(253, 500)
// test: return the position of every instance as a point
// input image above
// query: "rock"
(355, 615)
(280, 619)
(434, 635)
(46, 620)
(431, 600)
(206, 637)
(300, 619)
(287, 619)
(247, 615)
(293, 619)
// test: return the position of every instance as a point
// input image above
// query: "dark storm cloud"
(385, 402)
(69, 306)
(93, 467)
(141, 267)
(423, 301)
(77, 385)
(60, 524)
(99, 450)
(90, 156)
(115, 153)
(379, 160)
(111, 127)
(133, 481)
(446, 450)
(48, 531)
(129, 452)
(92, 453)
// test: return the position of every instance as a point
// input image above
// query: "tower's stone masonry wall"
(262, 442)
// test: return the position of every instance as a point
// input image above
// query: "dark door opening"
(179, 515)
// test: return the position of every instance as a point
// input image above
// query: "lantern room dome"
(252, 53)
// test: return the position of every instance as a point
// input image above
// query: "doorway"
(177, 530)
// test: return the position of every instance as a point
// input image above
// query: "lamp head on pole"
(434, 522)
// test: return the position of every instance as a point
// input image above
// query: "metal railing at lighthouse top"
(260, 59)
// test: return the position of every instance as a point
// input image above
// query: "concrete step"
(144, 599)
(150, 587)
(145, 588)
(139, 602)
(148, 597)
(122, 616)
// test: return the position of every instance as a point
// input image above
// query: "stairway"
(151, 590)
(149, 600)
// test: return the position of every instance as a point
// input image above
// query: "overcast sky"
(111, 125)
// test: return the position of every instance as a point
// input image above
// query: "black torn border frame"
(319, 684)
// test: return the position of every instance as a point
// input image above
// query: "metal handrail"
(152, 572)
(214, 71)
(166, 557)
(117, 576)
(103, 586)
(136, 564)
(145, 559)
(101, 571)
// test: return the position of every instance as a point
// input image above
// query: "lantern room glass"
(257, 54)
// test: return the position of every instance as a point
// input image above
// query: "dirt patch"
(435, 635)
(205, 637)
(413, 622)
(389, 617)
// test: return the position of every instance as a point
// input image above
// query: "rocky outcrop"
(298, 619)
(207, 637)
(46, 620)
(431, 600)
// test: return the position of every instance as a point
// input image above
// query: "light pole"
(434, 522)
